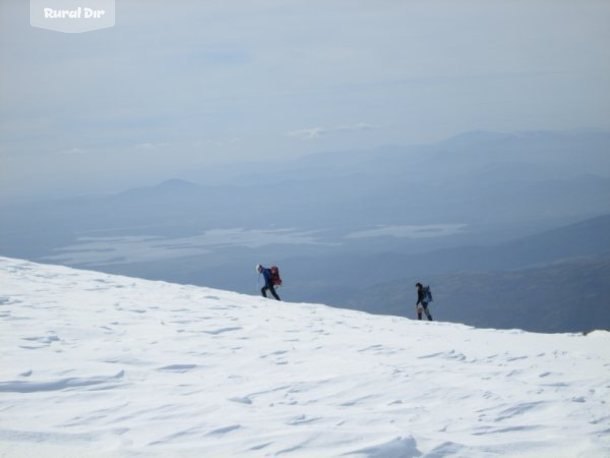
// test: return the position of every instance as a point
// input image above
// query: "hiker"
(423, 298)
(272, 278)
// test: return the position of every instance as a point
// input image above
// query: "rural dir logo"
(72, 16)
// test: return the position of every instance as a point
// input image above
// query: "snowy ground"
(99, 365)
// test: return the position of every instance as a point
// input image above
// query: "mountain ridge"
(98, 364)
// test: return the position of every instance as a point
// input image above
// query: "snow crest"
(101, 365)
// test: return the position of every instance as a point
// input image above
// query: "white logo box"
(72, 16)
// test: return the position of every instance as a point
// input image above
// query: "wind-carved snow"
(102, 365)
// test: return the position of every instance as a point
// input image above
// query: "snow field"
(101, 365)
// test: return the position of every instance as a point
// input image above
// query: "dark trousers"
(423, 307)
(270, 288)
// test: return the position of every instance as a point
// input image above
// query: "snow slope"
(100, 365)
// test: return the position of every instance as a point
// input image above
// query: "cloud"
(73, 151)
(317, 132)
(149, 146)
(307, 134)
(219, 142)
(355, 127)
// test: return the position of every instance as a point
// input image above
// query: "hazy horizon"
(170, 89)
(222, 173)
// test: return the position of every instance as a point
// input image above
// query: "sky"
(178, 86)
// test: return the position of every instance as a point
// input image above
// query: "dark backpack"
(427, 294)
(276, 280)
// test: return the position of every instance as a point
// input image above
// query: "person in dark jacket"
(266, 272)
(422, 304)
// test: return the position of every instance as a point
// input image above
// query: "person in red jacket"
(269, 286)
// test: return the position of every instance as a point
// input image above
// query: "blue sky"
(176, 86)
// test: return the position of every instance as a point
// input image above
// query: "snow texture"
(108, 366)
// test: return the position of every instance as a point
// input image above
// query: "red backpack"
(275, 276)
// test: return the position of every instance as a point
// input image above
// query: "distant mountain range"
(556, 281)
(341, 223)
(567, 296)
(490, 182)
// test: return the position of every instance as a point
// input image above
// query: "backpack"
(276, 280)
(427, 294)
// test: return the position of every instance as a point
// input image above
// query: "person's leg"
(427, 312)
(419, 310)
(273, 292)
(263, 291)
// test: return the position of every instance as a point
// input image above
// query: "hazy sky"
(179, 85)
